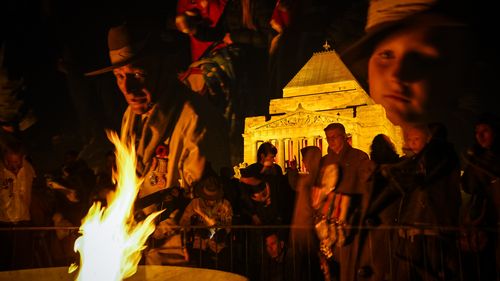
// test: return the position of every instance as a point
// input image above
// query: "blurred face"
(335, 139)
(273, 246)
(414, 74)
(484, 135)
(13, 162)
(132, 79)
(210, 203)
(268, 160)
(416, 139)
(262, 196)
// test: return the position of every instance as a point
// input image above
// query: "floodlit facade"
(322, 92)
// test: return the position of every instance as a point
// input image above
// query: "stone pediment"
(323, 92)
(301, 118)
(323, 72)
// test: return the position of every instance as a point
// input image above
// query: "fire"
(111, 242)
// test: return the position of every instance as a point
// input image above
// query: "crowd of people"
(429, 214)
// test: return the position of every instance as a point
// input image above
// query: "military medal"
(158, 176)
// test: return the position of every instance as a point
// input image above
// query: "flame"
(111, 242)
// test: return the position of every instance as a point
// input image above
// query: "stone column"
(281, 152)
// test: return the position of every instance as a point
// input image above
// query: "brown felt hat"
(128, 43)
(209, 188)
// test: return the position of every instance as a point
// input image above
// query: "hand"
(163, 229)
(315, 197)
(208, 220)
(227, 39)
(186, 23)
(186, 254)
(268, 163)
(274, 44)
(256, 220)
(264, 196)
(72, 196)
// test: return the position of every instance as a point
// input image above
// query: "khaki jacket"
(191, 133)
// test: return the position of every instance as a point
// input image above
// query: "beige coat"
(198, 135)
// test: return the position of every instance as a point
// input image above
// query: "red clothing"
(210, 11)
(281, 16)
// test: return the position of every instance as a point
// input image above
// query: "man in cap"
(175, 132)
(213, 215)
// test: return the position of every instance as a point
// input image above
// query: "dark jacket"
(421, 192)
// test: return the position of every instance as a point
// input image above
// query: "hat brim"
(356, 56)
(150, 49)
(106, 69)
(217, 195)
(136, 58)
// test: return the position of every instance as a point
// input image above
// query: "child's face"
(416, 140)
(273, 246)
(484, 135)
(413, 73)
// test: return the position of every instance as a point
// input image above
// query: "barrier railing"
(247, 249)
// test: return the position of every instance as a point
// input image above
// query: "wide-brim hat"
(128, 43)
(209, 188)
(387, 16)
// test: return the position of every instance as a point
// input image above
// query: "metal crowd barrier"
(244, 249)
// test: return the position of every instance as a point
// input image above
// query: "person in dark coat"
(258, 208)
(277, 263)
(418, 59)
(481, 209)
(412, 218)
(272, 173)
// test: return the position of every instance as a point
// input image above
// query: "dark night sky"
(49, 34)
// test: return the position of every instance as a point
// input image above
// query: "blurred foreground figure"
(303, 240)
(419, 60)
(419, 63)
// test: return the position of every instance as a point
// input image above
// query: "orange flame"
(111, 242)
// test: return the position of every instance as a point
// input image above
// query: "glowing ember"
(111, 242)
